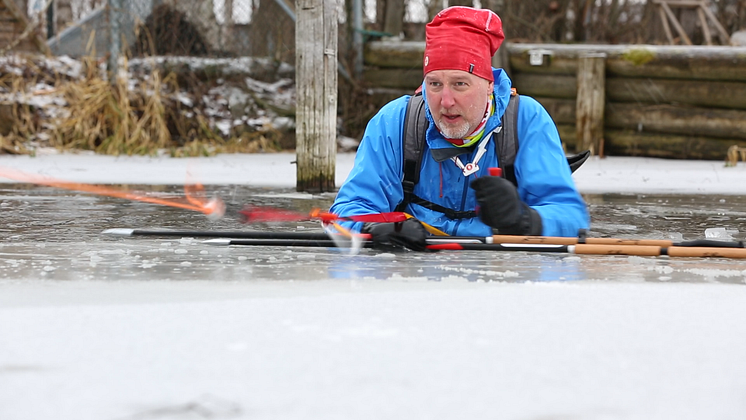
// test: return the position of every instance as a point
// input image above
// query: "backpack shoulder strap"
(576, 160)
(413, 143)
(507, 144)
(507, 140)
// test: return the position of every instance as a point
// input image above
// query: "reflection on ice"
(57, 236)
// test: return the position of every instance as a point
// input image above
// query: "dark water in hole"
(53, 234)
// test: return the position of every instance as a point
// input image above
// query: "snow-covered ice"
(367, 349)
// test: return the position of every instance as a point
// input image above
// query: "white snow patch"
(467, 270)
(399, 277)
(720, 233)
(713, 273)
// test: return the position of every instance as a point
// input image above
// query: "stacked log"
(661, 101)
(686, 102)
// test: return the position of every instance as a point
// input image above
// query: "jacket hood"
(441, 148)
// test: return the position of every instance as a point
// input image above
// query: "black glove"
(501, 208)
(409, 234)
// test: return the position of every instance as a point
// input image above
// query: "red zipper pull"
(495, 171)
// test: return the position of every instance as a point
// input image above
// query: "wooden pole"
(705, 26)
(316, 81)
(666, 27)
(641, 250)
(433, 8)
(590, 102)
(51, 20)
(226, 30)
(724, 38)
(394, 17)
(676, 24)
(115, 11)
(357, 37)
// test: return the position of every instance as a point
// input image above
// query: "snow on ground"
(611, 174)
(368, 349)
(401, 348)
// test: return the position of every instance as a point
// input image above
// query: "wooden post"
(705, 26)
(63, 15)
(703, 11)
(316, 81)
(666, 26)
(226, 31)
(724, 38)
(590, 102)
(675, 23)
(115, 41)
(357, 37)
(394, 17)
(433, 8)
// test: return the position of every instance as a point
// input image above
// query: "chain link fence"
(266, 28)
(223, 27)
(263, 28)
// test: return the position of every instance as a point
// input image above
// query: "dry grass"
(140, 117)
(18, 119)
(110, 118)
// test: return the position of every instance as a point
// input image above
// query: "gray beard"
(454, 132)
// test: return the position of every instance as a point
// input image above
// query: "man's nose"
(446, 98)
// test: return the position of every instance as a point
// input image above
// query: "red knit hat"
(463, 38)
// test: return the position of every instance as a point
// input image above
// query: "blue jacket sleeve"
(544, 178)
(374, 184)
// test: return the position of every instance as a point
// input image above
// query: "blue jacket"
(544, 178)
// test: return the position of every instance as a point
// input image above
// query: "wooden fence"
(686, 102)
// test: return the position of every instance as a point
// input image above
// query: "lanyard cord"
(473, 166)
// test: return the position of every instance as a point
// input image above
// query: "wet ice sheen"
(45, 225)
